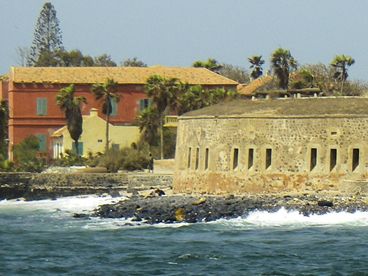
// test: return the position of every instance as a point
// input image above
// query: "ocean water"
(42, 238)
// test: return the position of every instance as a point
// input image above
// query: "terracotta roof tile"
(122, 75)
(250, 88)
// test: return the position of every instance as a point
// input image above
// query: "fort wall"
(266, 153)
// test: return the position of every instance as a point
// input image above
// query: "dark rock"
(81, 216)
(325, 203)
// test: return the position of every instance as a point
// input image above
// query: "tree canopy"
(106, 92)
(47, 37)
(71, 105)
(283, 63)
(256, 63)
(210, 64)
(133, 62)
(341, 63)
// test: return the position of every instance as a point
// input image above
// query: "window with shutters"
(41, 106)
(144, 103)
(114, 107)
(42, 140)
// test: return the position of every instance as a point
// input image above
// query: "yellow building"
(93, 136)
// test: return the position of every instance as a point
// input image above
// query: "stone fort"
(274, 145)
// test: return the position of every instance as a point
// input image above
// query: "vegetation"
(340, 64)
(106, 92)
(282, 64)
(210, 64)
(256, 66)
(235, 73)
(3, 129)
(71, 105)
(47, 37)
(26, 155)
(133, 62)
(164, 94)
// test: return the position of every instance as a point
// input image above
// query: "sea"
(42, 238)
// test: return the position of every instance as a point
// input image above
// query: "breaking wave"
(72, 204)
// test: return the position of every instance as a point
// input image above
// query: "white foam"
(73, 204)
(284, 217)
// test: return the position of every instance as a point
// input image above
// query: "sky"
(177, 33)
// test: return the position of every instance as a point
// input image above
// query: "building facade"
(92, 140)
(31, 94)
(278, 145)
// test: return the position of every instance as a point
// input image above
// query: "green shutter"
(114, 107)
(80, 148)
(115, 147)
(41, 106)
(141, 105)
(42, 142)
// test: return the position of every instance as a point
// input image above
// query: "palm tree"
(211, 64)
(164, 94)
(341, 64)
(283, 63)
(148, 122)
(106, 92)
(71, 105)
(256, 66)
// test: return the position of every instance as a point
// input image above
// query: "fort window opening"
(235, 158)
(206, 159)
(333, 158)
(355, 159)
(250, 158)
(313, 158)
(189, 157)
(197, 159)
(268, 158)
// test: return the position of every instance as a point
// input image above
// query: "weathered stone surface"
(37, 186)
(226, 152)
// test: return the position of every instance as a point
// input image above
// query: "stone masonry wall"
(289, 153)
(33, 185)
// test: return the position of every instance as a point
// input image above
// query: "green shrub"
(112, 160)
(134, 158)
(26, 156)
(70, 158)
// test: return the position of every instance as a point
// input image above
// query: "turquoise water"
(42, 238)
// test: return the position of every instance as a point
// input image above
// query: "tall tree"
(283, 63)
(104, 60)
(106, 92)
(234, 72)
(210, 64)
(256, 63)
(71, 105)
(47, 38)
(164, 94)
(3, 128)
(341, 64)
(133, 62)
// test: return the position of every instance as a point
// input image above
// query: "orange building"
(31, 94)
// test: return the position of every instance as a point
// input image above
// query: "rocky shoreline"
(174, 208)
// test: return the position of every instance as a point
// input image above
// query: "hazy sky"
(176, 33)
